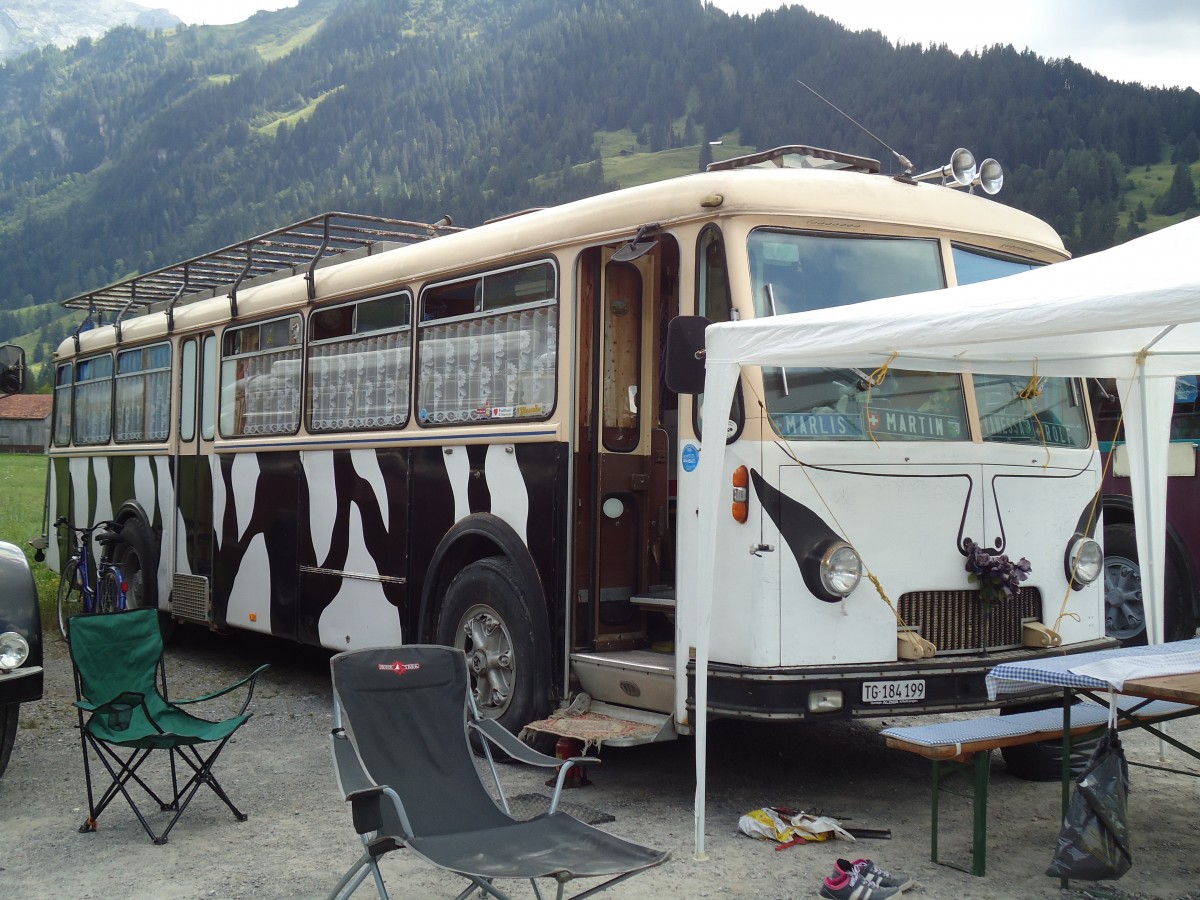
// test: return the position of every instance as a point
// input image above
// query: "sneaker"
(852, 886)
(873, 874)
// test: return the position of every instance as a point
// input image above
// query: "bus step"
(641, 679)
(604, 723)
(661, 601)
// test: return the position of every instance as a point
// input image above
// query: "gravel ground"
(298, 839)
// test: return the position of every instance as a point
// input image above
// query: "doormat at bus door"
(526, 806)
(593, 729)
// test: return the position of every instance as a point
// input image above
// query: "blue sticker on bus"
(691, 457)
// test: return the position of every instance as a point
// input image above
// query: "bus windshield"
(1012, 410)
(795, 272)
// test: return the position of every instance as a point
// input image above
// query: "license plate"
(909, 691)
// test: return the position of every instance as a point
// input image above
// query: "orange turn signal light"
(741, 494)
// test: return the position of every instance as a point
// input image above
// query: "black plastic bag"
(1094, 842)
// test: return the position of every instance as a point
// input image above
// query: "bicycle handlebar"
(61, 522)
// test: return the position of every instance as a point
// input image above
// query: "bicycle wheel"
(110, 591)
(69, 596)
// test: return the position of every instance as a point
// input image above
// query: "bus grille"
(953, 620)
(190, 597)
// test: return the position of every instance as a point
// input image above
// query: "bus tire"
(138, 561)
(1124, 615)
(486, 614)
(8, 732)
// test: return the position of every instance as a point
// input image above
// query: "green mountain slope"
(139, 149)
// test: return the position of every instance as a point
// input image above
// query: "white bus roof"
(844, 201)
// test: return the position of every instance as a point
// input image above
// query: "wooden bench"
(969, 742)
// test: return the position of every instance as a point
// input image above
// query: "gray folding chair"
(404, 761)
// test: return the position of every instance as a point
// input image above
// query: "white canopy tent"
(1131, 313)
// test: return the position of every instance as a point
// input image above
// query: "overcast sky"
(1154, 42)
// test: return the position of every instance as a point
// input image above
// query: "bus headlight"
(14, 650)
(1085, 561)
(841, 569)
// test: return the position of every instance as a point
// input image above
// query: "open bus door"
(624, 521)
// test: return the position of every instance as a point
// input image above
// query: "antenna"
(905, 165)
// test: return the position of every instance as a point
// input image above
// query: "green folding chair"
(124, 716)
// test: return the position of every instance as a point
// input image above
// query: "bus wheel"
(1043, 761)
(139, 566)
(486, 615)
(1124, 612)
(8, 732)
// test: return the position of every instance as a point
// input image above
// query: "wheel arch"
(472, 538)
(1118, 510)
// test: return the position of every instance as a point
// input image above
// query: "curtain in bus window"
(143, 393)
(360, 382)
(499, 366)
(358, 364)
(93, 400)
(260, 379)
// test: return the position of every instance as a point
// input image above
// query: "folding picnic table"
(1161, 672)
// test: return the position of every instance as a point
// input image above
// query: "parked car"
(20, 644)
(20, 618)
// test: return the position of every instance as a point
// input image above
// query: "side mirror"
(685, 354)
(12, 369)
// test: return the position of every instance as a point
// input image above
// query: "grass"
(22, 500)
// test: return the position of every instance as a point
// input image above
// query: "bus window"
(622, 356)
(63, 385)
(796, 272)
(187, 391)
(488, 347)
(1052, 414)
(358, 364)
(713, 301)
(260, 378)
(93, 400)
(208, 389)
(143, 385)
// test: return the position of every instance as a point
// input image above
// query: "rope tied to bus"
(1027, 394)
(874, 380)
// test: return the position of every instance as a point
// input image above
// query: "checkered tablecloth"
(1096, 670)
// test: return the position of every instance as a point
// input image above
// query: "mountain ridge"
(142, 148)
(32, 24)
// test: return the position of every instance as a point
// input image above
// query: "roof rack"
(304, 243)
(798, 156)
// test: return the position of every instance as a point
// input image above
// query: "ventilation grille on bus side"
(953, 620)
(190, 597)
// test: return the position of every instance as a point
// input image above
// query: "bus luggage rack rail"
(301, 244)
(953, 620)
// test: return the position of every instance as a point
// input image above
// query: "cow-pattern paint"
(274, 532)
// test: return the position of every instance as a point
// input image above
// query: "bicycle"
(76, 587)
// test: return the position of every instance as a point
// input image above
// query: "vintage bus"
(360, 431)
(1124, 612)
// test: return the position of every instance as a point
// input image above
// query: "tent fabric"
(1131, 313)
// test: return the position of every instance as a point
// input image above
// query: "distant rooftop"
(26, 406)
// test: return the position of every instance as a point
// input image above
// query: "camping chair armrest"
(365, 809)
(126, 698)
(249, 679)
(518, 749)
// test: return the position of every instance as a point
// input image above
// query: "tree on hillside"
(1180, 196)
(1188, 150)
